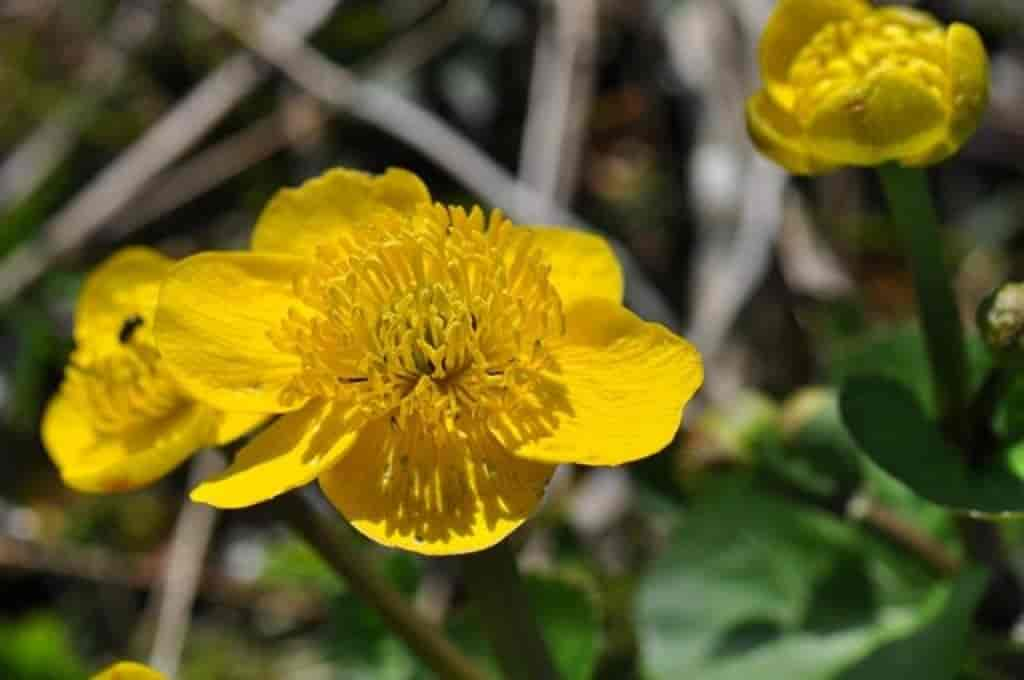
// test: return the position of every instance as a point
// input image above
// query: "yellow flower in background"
(848, 84)
(128, 670)
(432, 365)
(120, 420)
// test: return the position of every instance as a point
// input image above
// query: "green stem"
(301, 513)
(911, 204)
(493, 581)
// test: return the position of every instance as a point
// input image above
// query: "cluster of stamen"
(432, 320)
(852, 51)
(123, 389)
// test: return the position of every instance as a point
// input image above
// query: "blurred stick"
(217, 164)
(422, 130)
(183, 569)
(736, 274)
(876, 516)
(107, 568)
(295, 121)
(310, 517)
(561, 93)
(737, 194)
(162, 144)
(35, 159)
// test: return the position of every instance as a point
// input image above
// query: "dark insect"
(128, 328)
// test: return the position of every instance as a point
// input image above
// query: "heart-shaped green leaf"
(754, 586)
(890, 425)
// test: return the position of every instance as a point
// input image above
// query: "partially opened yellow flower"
(128, 670)
(120, 420)
(849, 84)
(432, 365)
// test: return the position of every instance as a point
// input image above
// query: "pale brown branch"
(422, 130)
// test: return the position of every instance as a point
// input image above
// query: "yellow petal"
(298, 220)
(617, 391)
(102, 462)
(128, 670)
(778, 135)
(212, 324)
(890, 117)
(121, 288)
(790, 27)
(289, 454)
(231, 426)
(401, 492)
(969, 80)
(582, 265)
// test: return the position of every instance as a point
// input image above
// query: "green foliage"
(568, 620)
(890, 425)
(361, 646)
(754, 586)
(38, 647)
(898, 353)
(296, 565)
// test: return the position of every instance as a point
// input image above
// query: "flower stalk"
(494, 583)
(913, 211)
(423, 638)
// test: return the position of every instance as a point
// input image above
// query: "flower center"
(852, 52)
(435, 320)
(124, 389)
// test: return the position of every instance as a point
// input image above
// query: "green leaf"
(936, 651)
(1008, 420)
(753, 586)
(362, 647)
(898, 352)
(890, 425)
(568, 619)
(39, 647)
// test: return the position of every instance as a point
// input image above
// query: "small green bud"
(1001, 321)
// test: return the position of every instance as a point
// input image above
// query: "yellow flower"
(120, 420)
(848, 84)
(432, 365)
(128, 670)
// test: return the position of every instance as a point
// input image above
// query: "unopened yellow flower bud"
(1001, 321)
(846, 83)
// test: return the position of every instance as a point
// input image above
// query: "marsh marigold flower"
(120, 420)
(846, 83)
(432, 365)
(128, 670)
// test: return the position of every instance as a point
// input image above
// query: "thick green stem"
(493, 580)
(301, 513)
(911, 204)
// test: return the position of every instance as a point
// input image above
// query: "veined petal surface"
(331, 206)
(124, 287)
(99, 462)
(214, 324)
(405, 493)
(583, 265)
(288, 454)
(617, 391)
(231, 425)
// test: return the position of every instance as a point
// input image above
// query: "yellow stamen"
(123, 390)
(435, 320)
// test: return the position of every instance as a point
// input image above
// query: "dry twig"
(424, 131)
(166, 141)
(183, 570)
